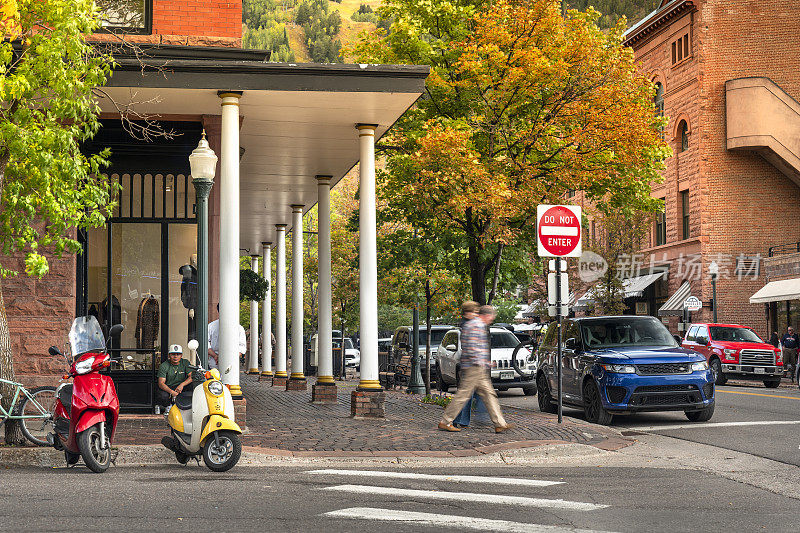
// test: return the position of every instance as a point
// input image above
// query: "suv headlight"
(700, 366)
(620, 369)
(215, 388)
(730, 352)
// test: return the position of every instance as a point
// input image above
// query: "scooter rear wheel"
(226, 455)
(96, 458)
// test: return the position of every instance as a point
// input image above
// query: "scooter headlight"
(84, 367)
(215, 388)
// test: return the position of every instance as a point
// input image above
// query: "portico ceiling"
(298, 121)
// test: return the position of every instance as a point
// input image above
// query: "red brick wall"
(739, 203)
(40, 312)
(192, 23)
(217, 18)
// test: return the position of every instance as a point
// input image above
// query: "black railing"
(784, 249)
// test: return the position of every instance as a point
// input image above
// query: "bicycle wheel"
(36, 429)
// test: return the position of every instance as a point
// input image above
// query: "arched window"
(658, 101)
(683, 133)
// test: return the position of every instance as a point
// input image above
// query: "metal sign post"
(559, 235)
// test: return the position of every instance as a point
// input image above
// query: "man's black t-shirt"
(790, 341)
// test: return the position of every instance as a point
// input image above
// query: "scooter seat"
(65, 397)
(184, 400)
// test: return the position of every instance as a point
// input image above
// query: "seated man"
(174, 375)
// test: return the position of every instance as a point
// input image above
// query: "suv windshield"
(504, 339)
(727, 334)
(625, 331)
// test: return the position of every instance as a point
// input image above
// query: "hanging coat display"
(147, 320)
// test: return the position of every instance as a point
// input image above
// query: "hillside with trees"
(306, 30)
(612, 10)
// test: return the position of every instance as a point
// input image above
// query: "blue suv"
(623, 364)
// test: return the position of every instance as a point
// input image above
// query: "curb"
(153, 454)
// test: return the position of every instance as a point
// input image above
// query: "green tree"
(48, 187)
(522, 105)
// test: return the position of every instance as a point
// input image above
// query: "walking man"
(475, 367)
(790, 342)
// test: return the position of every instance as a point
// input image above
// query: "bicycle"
(34, 405)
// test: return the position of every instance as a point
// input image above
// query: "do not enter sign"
(559, 230)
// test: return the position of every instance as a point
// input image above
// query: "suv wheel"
(772, 383)
(703, 415)
(719, 375)
(593, 405)
(546, 404)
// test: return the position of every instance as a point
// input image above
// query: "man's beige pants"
(475, 379)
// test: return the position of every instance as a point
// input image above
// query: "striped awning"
(633, 287)
(674, 306)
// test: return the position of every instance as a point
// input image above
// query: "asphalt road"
(747, 418)
(174, 498)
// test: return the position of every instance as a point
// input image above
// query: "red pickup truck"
(734, 351)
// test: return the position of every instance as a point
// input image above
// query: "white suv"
(504, 376)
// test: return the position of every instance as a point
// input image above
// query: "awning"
(777, 291)
(674, 306)
(633, 287)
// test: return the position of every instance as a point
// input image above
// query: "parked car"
(504, 377)
(736, 351)
(352, 356)
(623, 364)
(402, 341)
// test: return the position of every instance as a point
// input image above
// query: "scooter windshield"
(86, 335)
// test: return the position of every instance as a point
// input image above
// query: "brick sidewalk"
(287, 423)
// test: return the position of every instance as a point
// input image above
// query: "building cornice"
(657, 19)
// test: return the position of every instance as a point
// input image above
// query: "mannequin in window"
(189, 293)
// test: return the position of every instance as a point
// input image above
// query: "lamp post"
(713, 270)
(203, 164)
(415, 385)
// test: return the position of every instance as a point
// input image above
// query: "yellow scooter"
(202, 422)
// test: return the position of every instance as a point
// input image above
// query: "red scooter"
(86, 410)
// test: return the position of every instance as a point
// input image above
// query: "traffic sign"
(692, 303)
(558, 228)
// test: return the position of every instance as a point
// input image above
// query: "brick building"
(727, 74)
(284, 134)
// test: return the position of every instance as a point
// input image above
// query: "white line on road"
(467, 497)
(433, 477)
(450, 521)
(717, 425)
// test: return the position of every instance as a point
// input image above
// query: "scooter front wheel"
(91, 447)
(223, 456)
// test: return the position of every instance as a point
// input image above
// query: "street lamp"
(203, 165)
(713, 270)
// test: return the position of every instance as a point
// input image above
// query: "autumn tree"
(522, 105)
(622, 235)
(48, 187)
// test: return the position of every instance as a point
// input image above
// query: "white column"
(325, 316)
(368, 260)
(266, 319)
(253, 367)
(280, 303)
(229, 244)
(297, 293)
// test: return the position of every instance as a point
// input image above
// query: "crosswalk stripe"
(467, 497)
(716, 425)
(450, 521)
(434, 477)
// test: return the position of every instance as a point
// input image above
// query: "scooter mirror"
(115, 330)
(193, 345)
(54, 351)
(129, 358)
